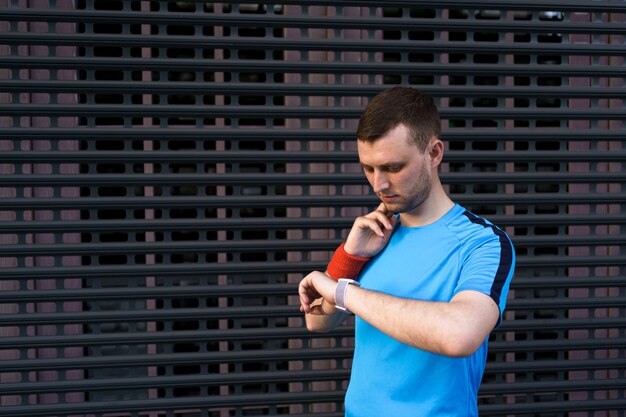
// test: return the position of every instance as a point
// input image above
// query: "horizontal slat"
(315, 90)
(553, 406)
(287, 245)
(363, 23)
(136, 383)
(574, 5)
(585, 282)
(200, 314)
(560, 365)
(205, 224)
(535, 5)
(190, 111)
(160, 404)
(202, 270)
(281, 333)
(306, 44)
(304, 67)
(291, 376)
(152, 315)
(565, 324)
(136, 337)
(177, 270)
(303, 179)
(276, 355)
(233, 157)
(295, 201)
(565, 239)
(132, 248)
(265, 289)
(280, 223)
(267, 399)
(330, 135)
(177, 359)
(142, 293)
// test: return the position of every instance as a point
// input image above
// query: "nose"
(380, 181)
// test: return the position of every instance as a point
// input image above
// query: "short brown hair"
(400, 105)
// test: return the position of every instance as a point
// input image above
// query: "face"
(399, 173)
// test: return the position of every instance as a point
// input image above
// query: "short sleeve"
(488, 262)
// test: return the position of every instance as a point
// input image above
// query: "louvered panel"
(170, 170)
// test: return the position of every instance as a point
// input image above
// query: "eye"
(394, 168)
(368, 169)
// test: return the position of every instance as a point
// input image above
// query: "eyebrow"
(386, 166)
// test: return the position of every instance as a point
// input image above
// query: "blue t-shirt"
(458, 252)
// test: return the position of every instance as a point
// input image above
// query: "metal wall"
(169, 170)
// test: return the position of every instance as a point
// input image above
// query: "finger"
(328, 307)
(305, 300)
(322, 309)
(372, 224)
(382, 218)
(316, 310)
(304, 307)
(383, 209)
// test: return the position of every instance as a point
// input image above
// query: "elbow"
(460, 345)
(457, 351)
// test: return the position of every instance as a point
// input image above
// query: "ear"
(435, 149)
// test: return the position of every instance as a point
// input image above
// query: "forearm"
(455, 328)
(324, 323)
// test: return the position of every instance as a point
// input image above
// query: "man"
(434, 281)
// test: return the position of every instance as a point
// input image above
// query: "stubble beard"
(418, 194)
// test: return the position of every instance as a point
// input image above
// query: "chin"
(395, 208)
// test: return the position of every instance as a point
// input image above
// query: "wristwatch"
(340, 293)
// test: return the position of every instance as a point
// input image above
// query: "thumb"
(323, 309)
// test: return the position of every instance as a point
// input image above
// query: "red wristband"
(344, 265)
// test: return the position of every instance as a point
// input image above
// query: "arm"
(368, 236)
(456, 328)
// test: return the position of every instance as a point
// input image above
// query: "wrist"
(345, 265)
(341, 291)
(352, 251)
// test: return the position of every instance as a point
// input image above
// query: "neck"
(432, 209)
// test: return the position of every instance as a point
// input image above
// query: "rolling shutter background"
(169, 171)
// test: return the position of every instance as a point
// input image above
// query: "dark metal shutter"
(170, 170)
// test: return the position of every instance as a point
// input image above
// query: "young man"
(435, 279)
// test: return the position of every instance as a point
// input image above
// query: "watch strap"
(340, 293)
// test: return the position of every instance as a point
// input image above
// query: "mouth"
(388, 198)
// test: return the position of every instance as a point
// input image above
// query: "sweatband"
(344, 265)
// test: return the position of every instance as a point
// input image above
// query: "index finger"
(383, 209)
(381, 218)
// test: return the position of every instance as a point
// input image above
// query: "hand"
(313, 287)
(370, 233)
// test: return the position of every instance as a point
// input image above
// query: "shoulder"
(474, 231)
